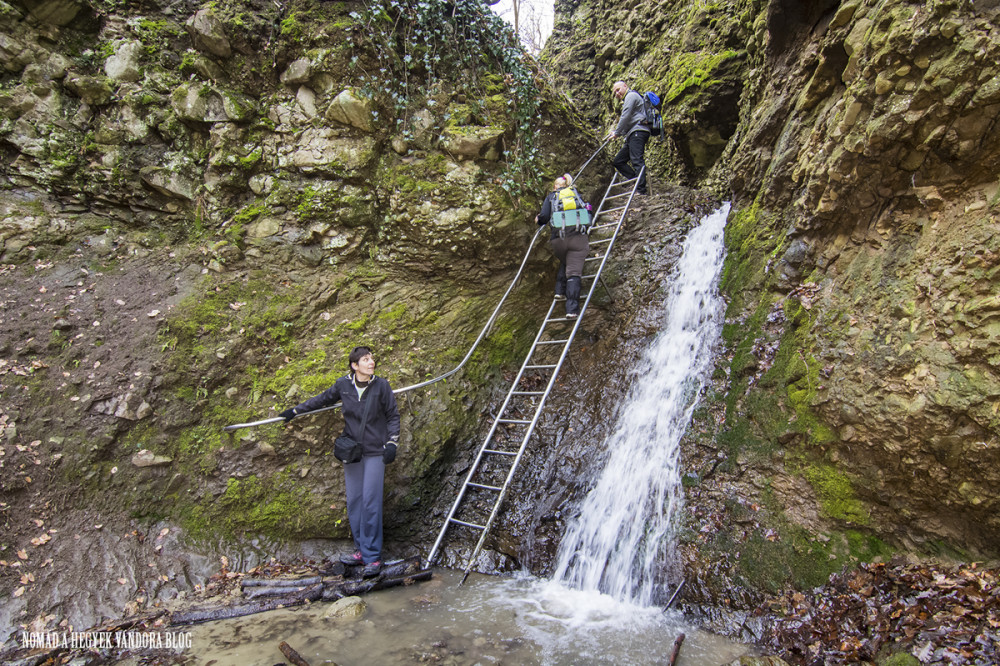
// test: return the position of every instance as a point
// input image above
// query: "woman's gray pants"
(364, 481)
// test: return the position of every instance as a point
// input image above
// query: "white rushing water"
(621, 542)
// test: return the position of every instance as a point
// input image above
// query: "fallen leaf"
(122, 581)
(38, 541)
(23, 554)
(18, 592)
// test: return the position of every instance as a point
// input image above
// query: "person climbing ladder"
(631, 159)
(569, 219)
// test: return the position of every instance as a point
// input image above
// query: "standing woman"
(570, 244)
(372, 420)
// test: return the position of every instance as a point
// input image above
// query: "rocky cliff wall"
(854, 409)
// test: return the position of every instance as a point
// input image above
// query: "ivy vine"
(418, 43)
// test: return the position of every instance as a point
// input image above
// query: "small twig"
(291, 655)
(676, 651)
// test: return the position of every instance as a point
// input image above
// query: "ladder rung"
(485, 487)
(541, 367)
(600, 240)
(552, 342)
(502, 453)
(521, 421)
(615, 196)
(615, 210)
(527, 392)
(472, 525)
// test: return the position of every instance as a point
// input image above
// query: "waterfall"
(621, 542)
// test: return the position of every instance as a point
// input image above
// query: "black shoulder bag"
(345, 449)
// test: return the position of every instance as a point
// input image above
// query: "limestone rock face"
(349, 109)
(298, 72)
(169, 183)
(93, 90)
(203, 103)
(473, 142)
(146, 458)
(208, 33)
(54, 12)
(124, 64)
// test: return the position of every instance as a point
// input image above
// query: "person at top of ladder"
(631, 159)
(569, 219)
(371, 420)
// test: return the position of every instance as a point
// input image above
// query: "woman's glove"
(288, 414)
(389, 453)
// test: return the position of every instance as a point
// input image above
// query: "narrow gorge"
(205, 206)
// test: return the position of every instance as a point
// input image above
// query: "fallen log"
(258, 592)
(291, 655)
(197, 615)
(269, 594)
(280, 582)
(356, 587)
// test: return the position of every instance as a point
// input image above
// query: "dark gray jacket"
(633, 115)
(382, 425)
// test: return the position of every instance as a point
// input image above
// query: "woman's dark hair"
(356, 355)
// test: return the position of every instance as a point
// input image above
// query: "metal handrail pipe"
(428, 382)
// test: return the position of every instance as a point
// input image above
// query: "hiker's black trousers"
(632, 158)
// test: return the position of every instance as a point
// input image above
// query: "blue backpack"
(651, 106)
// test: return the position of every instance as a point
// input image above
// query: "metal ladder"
(493, 468)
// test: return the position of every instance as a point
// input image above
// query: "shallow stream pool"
(488, 620)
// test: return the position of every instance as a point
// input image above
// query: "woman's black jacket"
(382, 425)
